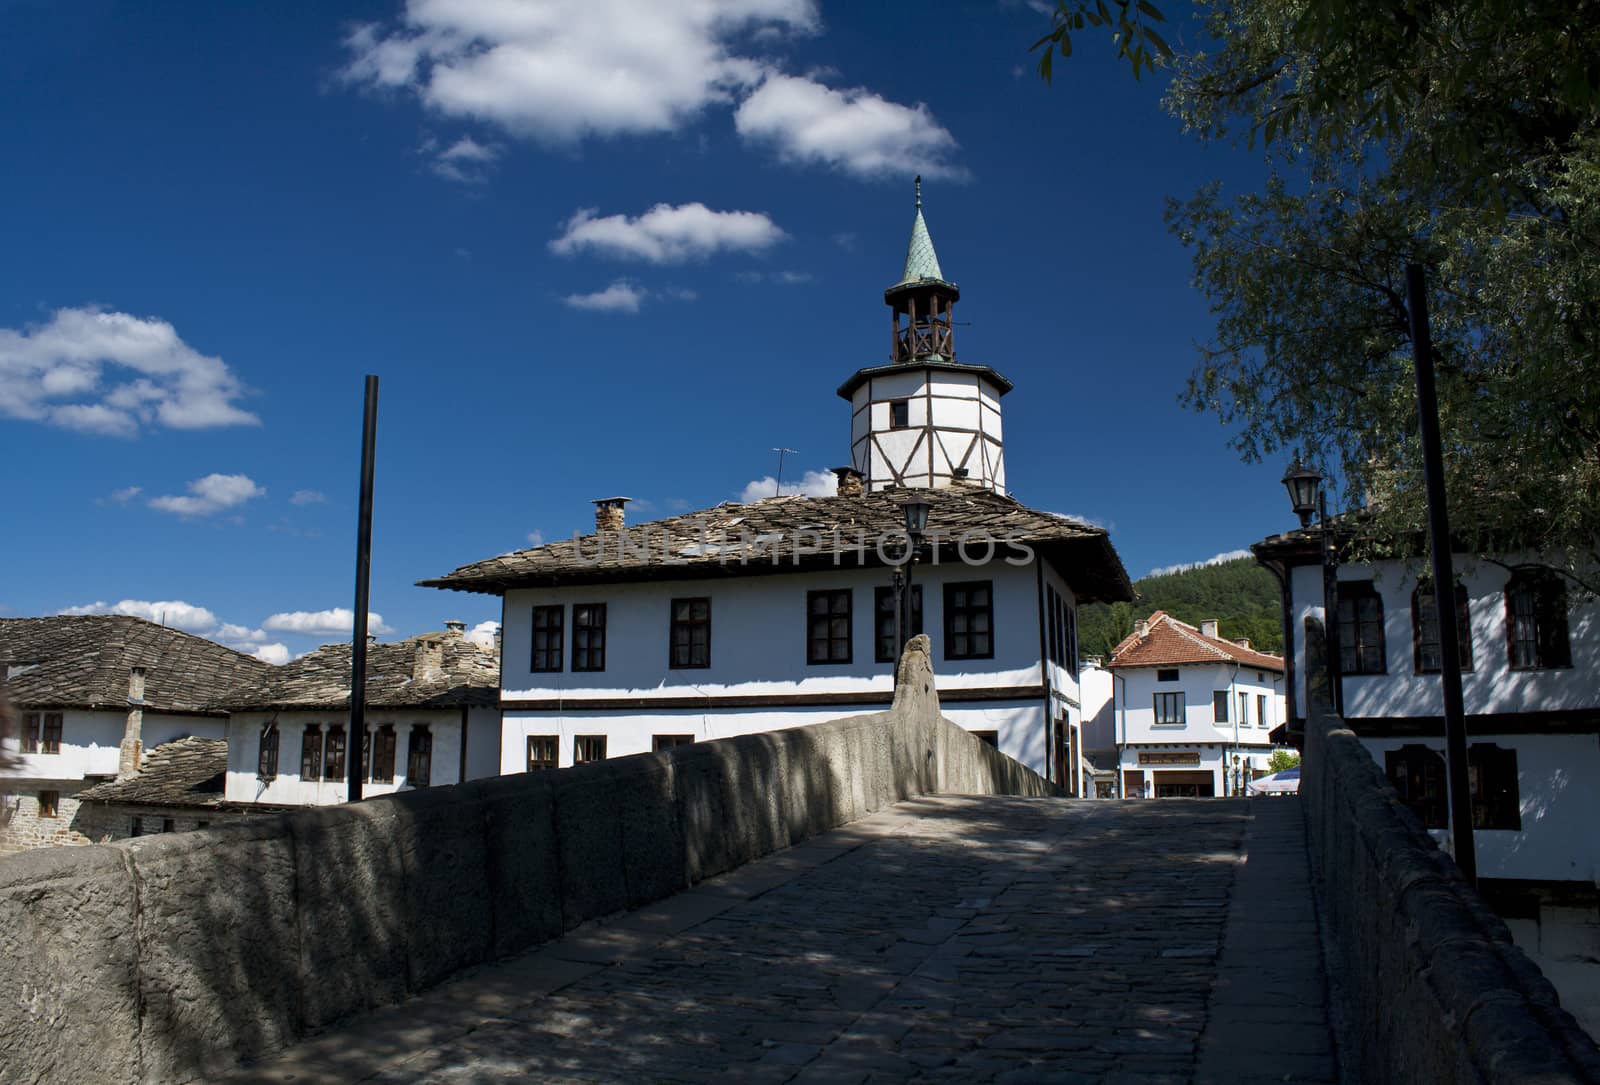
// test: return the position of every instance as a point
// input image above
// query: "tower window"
(899, 413)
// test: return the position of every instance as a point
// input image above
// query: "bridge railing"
(162, 959)
(1439, 991)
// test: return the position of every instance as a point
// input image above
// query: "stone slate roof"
(767, 534)
(82, 661)
(468, 674)
(1168, 642)
(184, 772)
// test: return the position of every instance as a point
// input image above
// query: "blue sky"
(590, 248)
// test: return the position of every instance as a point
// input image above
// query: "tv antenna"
(778, 489)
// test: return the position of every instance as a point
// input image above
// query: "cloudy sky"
(590, 247)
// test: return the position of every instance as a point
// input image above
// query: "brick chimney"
(609, 514)
(428, 662)
(1243, 642)
(459, 628)
(1208, 628)
(131, 751)
(849, 484)
(1142, 627)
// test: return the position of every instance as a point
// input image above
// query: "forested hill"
(1240, 594)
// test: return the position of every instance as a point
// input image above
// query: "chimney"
(132, 750)
(1142, 627)
(609, 514)
(1243, 642)
(459, 628)
(1208, 628)
(849, 481)
(428, 662)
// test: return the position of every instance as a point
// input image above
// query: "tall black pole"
(1330, 604)
(355, 741)
(1444, 578)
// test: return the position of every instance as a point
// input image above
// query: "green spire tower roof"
(921, 261)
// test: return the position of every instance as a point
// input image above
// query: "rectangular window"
(588, 637)
(1072, 639)
(828, 625)
(1425, 630)
(546, 638)
(136, 826)
(419, 758)
(383, 745)
(333, 757)
(167, 825)
(1219, 706)
(1361, 645)
(1169, 709)
(667, 742)
(30, 732)
(884, 647)
(50, 733)
(1492, 778)
(969, 620)
(267, 752)
(543, 752)
(691, 633)
(1244, 710)
(1261, 710)
(1536, 621)
(899, 413)
(49, 803)
(990, 737)
(586, 748)
(311, 752)
(1052, 606)
(1167, 674)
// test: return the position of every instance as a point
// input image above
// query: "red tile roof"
(1167, 642)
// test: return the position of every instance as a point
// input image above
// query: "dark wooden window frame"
(1367, 649)
(1169, 708)
(1168, 674)
(311, 751)
(267, 752)
(883, 621)
(588, 637)
(50, 732)
(31, 722)
(548, 627)
(963, 613)
(1492, 779)
(419, 756)
(544, 752)
(1416, 772)
(830, 641)
(1423, 621)
(900, 413)
(1261, 710)
(658, 743)
(1539, 638)
(384, 743)
(335, 749)
(688, 626)
(1219, 706)
(584, 748)
(49, 804)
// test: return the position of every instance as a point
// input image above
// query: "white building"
(91, 693)
(752, 617)
(1186, 712)
(1530, 648)
(431, 719)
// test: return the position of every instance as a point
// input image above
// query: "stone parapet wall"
(1438, 990)
(174, 957)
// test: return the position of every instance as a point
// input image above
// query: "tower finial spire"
(919, 191)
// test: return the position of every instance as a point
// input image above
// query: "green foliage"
(1241, 594)
(1282, 759)
(1137, 40)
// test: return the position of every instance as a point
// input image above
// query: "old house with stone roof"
(756, 616)
(178, 787)
(432, 718)
(92, 693)
(1189, 712)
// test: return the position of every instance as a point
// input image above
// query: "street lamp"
(915, 511)
(1238, 775)
(1307, 494)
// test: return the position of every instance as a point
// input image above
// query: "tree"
(1240, 594)
(1460, 134)
(1283, 759)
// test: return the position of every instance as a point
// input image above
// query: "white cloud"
(620, 297)
(561, 70)
(172, 613)
(209, 495)
(811, 484)
(484, 633)
(322, 623)
(783, 278)
(854, 131)
(668, 235)
(113, 374)
(536, 538)
(1215, 559)
(466, 160)
(120, 497)
(275, 653)
(308, 497)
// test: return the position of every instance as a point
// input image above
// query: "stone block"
(703, 794)
(652, 838)
(354, 921)
(218, 944)
(522, 870)
(589, 842)
(439, 833)
(68, 918)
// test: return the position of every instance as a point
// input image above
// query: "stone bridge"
(878, 898)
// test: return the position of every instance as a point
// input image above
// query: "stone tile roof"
(797, 534)
(187, 771)
(465, 673)
(82, 661)
(1168, 642)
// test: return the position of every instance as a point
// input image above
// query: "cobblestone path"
(945, 940)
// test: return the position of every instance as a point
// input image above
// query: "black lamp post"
(915, 511)
(1307, 495)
